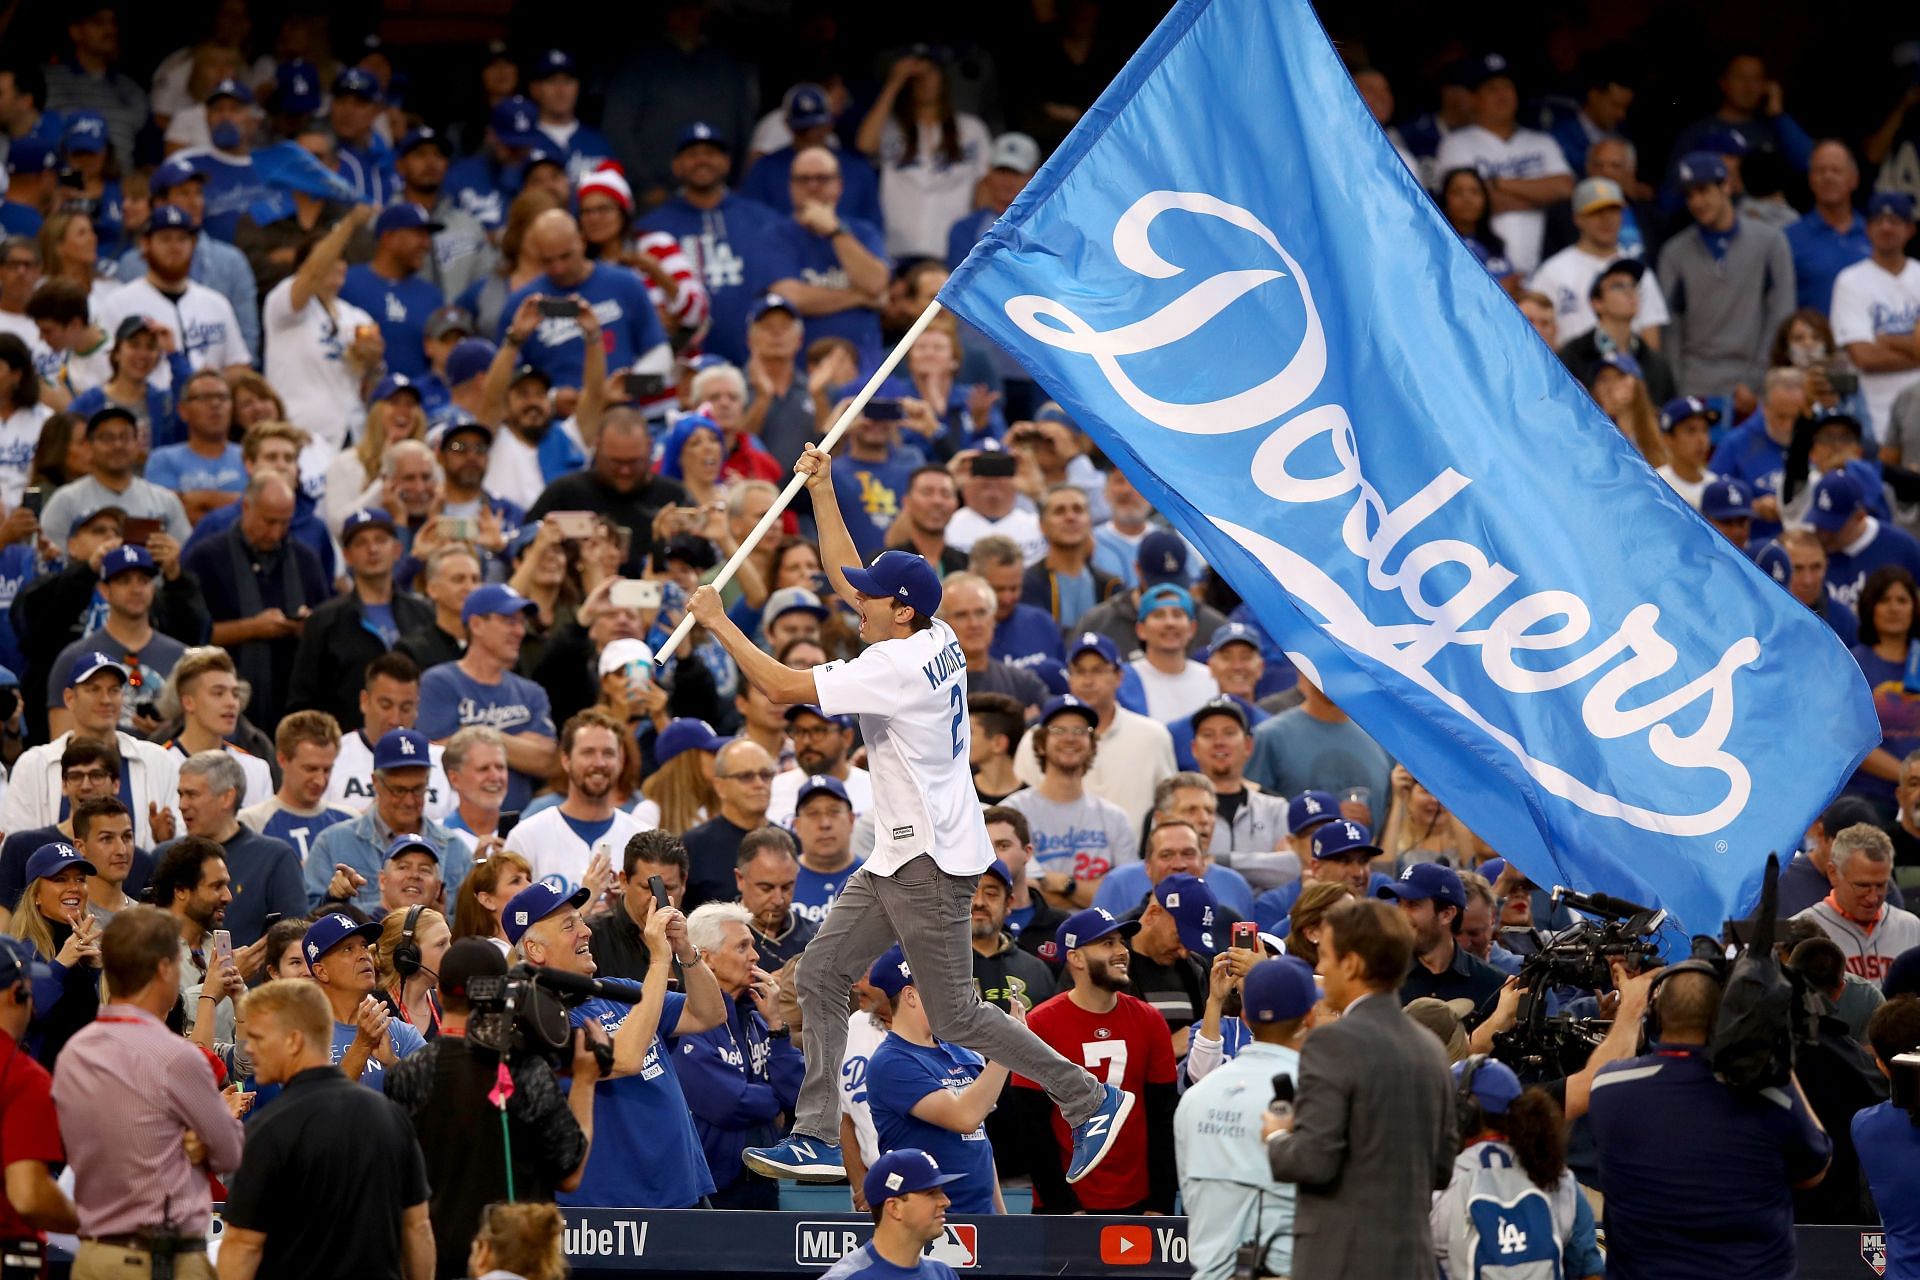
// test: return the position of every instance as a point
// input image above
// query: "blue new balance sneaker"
(797, 1158)
(1093, 1138)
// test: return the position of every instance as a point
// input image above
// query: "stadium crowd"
(357, 457)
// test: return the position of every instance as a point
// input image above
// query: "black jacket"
(429, 646)
(1039, 589)
(330, 666)
(51, 613)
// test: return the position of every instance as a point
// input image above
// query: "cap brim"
(1824, 521)
(1401, 892)
(865, 583)
(420, 846)
(370, 931)
(1124, 928)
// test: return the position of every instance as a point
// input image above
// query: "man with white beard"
(563, 840)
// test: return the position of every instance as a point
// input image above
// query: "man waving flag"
(1231, 281)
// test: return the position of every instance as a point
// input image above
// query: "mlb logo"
(1173, 900)
(1873, 1251)
(958, 1247)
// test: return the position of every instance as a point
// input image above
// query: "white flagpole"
(794, 485)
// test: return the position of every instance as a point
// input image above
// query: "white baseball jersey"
(351, 785)
(969, 526)
(1868, 302)
(202, 321)
(1527, 154)
(786, 789)
(19, 435)
(911, 697)
(553, 848)
(1567, 277)
(863, 1037)
(1870, 949)
(306, 363)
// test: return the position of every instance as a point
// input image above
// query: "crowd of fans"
(357, 458)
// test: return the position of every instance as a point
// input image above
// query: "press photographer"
(473, 1159)
(1887, 1137)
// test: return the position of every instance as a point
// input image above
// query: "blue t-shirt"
(482, 188)
(729, 243)
(869, 494)
(233, 185)
(1899, 713)
(899, 1074)
(1889, 1147)
(1293, 752)
(1748, 454)
(1847, 573)
(629, 325)
(179, 468)
(1820, 254)
(378, 618)
(406, 1042)
(300, 830)
(450, 700)
(864, 1264)
(795, 253)
(370, 170)
(401, 309)
(645, 1152)
(814, 891)
(1026, 634)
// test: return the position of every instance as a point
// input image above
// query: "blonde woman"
(353, 477)
(406, 959)
(682, 780)
(52, 915)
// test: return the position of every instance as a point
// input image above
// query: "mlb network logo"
(1873, 1250)
(821, 1244)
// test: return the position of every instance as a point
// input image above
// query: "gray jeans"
(929, 912)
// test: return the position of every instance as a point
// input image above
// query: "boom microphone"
(585, 988)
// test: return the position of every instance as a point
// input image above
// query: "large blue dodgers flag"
(1230, 280)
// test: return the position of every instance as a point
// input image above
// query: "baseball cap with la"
(1191, 904)
(1897, 204)
(1094, 642)
(1427, 881)
(890, 972)
(1339, 839)
(402, 749)
(901, 576)
(1310, 809)
(1701, 169)
(126, 559)
(538, 901)
(1836, 496)
(1162, 557)
(820, 784)
(1729, 500)
(172, 173)
(516, 123)
(50, 860)
(700, 133)
(1091, 925)
(901, 1172)
(807, 107)
(409, 842)
(90, 664)
(1676, 411)
(494, 598)
(330, 930)
(1232, 633)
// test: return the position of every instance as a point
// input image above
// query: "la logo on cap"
(1826, 499)
(1312, 805)
(406, 746)
(555, 883)
(1407, 874)
(1353, 832)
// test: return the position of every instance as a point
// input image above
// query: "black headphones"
(406, 956)
(1650, 1022)
(1466, 1106)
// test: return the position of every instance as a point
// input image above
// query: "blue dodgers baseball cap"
(1776, 562)
(538, 901)
(332, 929)
(1163, 595)
(769, 302)
(1191, 904)
(1000, 871)
(685, 734)
(1622, 362)
(1426, 880)
(1278, 990)
(231, 88)
(494, 598)
(1232, 633)
(799, 709)
(890, 972)
(50, 860)
(700, 133)
(356, 83)
(402, 749)
(1491, 869)
(296, 88)
(407, 842)
(469, 359)
(1067, 704)
(1091, 925)
(1726, 140)
(1897, 203)
(1094, 642)
(423, 137)
(551, 62)
(1702, 169)
(91, 664)
(1310, 809)
(807, 107)
(126, 559)
(172, 173)
(1224, 705)
(1162, 557)
(1674, 412)
(31, 155)
(1488, 66)
(360, 521)
(19, 961)
(170, 217)
(1493, 1084)
(821, 784)
(86, 133)
(394, 383)
(405, 216)
(538, 156)
(1339, 839)
(1836, 497)
(901, 576)
(516, 122)
(901, 1172)
(1726, 500)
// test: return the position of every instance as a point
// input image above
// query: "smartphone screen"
(138, 530)
(508, 821)
(559, 308)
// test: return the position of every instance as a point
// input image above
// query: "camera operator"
(646, 1154)
(444, 1088)
(1756, 1148)
(1888, 1136)
(1838, 1075)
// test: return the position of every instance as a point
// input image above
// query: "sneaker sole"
(1113, 1135)
(793, 1173)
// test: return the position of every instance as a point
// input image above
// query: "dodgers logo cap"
(822, 784)
(901, 576)
(1094, 642)
(1091, 925)
(330, 930)
(1338, 839)
(90, 664)
(402, 749)
(807, 107)
(1191, 904)
(1835, 498)
(1676, 411)
(685, 734)
(1309, 809)
(890, 972)
(407, 842)
(1729, 500)
(126, 558)
(538, 901)
(1427, 881)
(903, 1171)
(494, 598)
(1162, 557)
(51, 859)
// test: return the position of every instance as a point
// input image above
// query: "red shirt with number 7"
(1128, 1047)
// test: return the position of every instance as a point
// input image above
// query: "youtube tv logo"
(1124, 1245)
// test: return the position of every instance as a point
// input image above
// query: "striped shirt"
(127, 1089)
(1870, 948)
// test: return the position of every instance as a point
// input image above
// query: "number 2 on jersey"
(959, 720)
